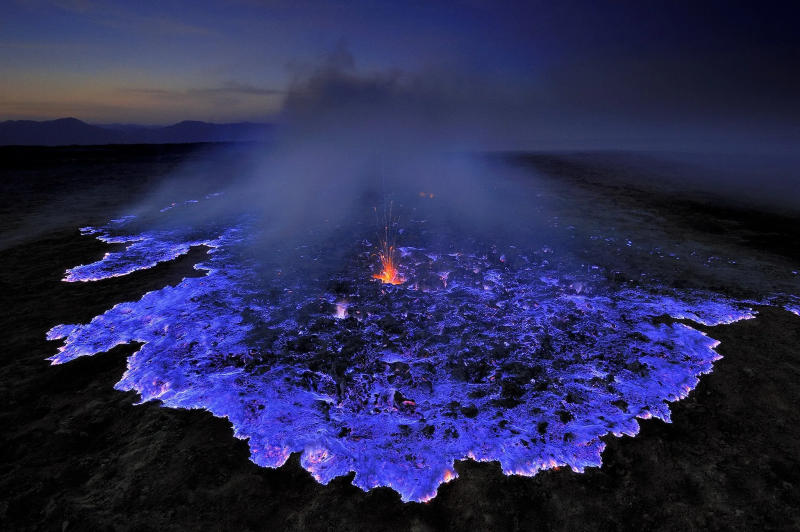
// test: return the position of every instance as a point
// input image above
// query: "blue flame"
(470, 358)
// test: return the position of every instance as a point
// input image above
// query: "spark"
(387, 253)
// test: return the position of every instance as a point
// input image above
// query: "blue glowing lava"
(792, 304)
(472, 357)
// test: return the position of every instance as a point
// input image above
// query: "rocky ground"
(78, 455)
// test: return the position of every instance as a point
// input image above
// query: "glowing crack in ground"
(474, 356)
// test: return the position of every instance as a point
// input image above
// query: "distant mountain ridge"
(71, 131)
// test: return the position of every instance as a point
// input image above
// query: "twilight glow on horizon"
(572, 70)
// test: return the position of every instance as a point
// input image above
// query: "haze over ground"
(577, 74)
(712, 78)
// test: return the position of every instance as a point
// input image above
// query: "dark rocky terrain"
(71, 131)
(78, 455)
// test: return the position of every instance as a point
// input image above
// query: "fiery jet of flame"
(389, 273)
(388, 253)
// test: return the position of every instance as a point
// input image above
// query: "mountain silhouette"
(71, 131)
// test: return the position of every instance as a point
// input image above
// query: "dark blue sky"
(603, 66)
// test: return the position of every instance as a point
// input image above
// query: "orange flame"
(387, 253)
(389, 273)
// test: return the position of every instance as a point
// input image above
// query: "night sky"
(590, 70)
